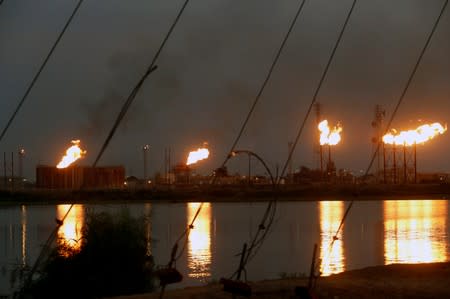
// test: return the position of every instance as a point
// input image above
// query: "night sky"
(208, 76)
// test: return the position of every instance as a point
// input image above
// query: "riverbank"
(393, 281)
(228, 193)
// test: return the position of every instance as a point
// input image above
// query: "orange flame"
(327, 136)
(421, 134)
(73, 153)
(195, 156)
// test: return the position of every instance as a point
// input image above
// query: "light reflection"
(24, 235)
(71, 231)
(415, 231)
(148, 227)
(332, 259)
(199, 242)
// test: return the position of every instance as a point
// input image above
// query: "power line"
(271, 208)
(269, 213)
(399, 102)
(136, 89)
(266, 80)
(30, 87)
(176, 256)
(122, 113)
(45, 248)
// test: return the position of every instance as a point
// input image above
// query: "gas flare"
(327, 136)
(195, 156)
(419, 135)
(73, 153)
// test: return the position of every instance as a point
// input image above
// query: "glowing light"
(328, 136)
(24, 235)
(332, 259)
(73, 153)
(415, 231)
(419, 135)
(199, 242)
(148, 227)
(70, 232)
(195, 156)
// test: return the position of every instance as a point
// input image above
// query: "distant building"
(425, 178)
(182, 174)
(75, 177)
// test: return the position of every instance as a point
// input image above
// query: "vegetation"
(111, 260)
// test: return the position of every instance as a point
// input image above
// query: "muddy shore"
(411, 281)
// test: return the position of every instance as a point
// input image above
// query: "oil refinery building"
(76, 177)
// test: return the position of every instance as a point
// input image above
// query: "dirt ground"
(394, 282)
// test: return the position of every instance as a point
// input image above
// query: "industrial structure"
(76, 177)
(399, 163)
(182, 173)
(400, 152)
(377, 142)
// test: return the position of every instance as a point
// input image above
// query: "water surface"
(375, 233)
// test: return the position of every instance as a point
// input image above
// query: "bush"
(112, 260)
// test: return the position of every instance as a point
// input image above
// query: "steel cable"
(263, 225)
(272, 205)
(266, 80)
(122, 113)
(136, 89)
(319, 86)
(399, 102)
(41, 68)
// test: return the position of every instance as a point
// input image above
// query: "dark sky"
(209, 74)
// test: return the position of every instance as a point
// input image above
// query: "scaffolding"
(399, 164)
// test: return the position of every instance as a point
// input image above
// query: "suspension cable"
(138, 86)
(122, 113)
(270, 215)
(174, 256)
(319, 86)
(44, 250)
(186, 232)
(266, 80)
(399, 102)
(271, 207)
(30, 87)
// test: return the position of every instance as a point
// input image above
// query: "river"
(375, 232)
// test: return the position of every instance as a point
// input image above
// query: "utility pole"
(168, 160)
(249, 168)
(290, 174)
(167, 165)
(12, 170)
(317, 146)
(21, 155)
(5, 179)
(377, 142)
(145, 149)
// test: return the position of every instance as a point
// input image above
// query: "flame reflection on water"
(71, 230)
(199, 242)
(415, 231)
(332, 259)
